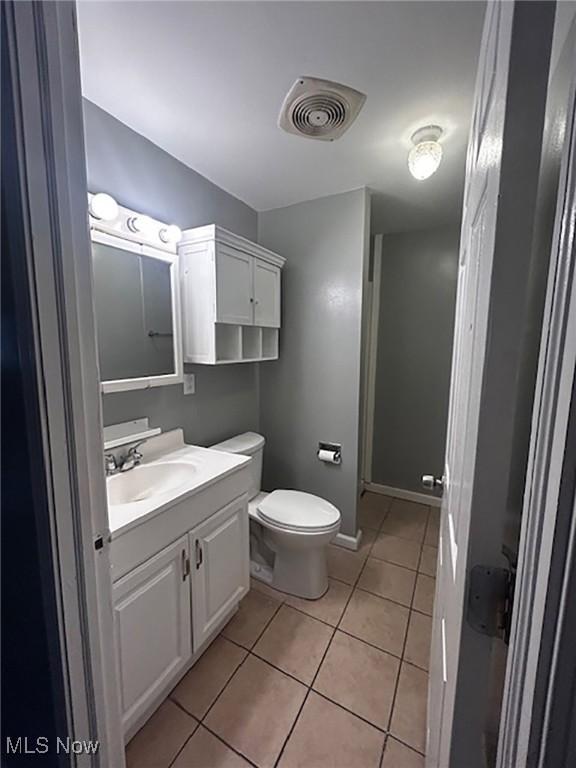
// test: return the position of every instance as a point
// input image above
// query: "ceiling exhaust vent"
(320, 109)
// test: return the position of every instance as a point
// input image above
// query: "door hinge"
(199, 554)
(491, 598)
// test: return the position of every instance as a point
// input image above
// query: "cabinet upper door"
(266, 294)
(220, 567)
(233, 286)
(152, 628)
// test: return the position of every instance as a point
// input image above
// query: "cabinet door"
(233, 286)
(152, 627)
(266, 294)
(220, 567)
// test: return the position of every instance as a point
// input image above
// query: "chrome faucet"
(131, 459)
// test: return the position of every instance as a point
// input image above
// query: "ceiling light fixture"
(426, 154)
(103, 207)
(171, 234)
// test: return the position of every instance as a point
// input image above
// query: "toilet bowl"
(290, 530)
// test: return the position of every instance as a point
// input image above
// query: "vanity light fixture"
(170, 234)
(142, 224)
(426, 154)
(104, 207)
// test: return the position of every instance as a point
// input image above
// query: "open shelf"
(243, 344)
(228, 343)
(270, 343)
(251, 342)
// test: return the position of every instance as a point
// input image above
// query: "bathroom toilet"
(289, 530)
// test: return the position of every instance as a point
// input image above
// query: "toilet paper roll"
(329, 456)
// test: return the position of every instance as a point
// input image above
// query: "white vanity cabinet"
(167, 608)
(230, 290)
(152, 626)
(221, 570)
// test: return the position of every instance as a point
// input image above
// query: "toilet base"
(292, 562)
(302, 573)
(261, 572)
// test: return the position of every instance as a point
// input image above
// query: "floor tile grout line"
(200, 724)
(292, 727)
(401, 662)
(249, 650)
(349, 711)
(177, 755)
(383, 597)
(291, 675)
(381, 761)
(234, 749)
(310, 688)
(405, 744)
(175, 701)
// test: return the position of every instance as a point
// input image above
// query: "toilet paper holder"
(331, 453)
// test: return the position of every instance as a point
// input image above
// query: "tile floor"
(332, 683)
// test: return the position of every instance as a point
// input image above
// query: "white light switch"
(189, 384)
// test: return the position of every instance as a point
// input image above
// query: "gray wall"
(312, 392)
(142, 176)
(417, 305)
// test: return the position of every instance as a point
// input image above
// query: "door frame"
(52, 189)
(46, 81)
(372, 296)
(540, 629)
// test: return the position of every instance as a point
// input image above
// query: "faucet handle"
(110, 464)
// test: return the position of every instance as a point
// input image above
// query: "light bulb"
(171, 234)
(424, 159)
(142, 224)
(426, 154)
(103, 207)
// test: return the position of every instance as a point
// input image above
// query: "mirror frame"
(146, 382)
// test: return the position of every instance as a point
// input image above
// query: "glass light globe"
(424, 159)
(171, 234)
(103, 207)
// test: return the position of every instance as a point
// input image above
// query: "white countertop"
(207, 467)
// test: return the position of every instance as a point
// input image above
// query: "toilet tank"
(247, 444)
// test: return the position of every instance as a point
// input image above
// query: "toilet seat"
(298, 511)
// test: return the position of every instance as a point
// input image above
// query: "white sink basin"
(148, 480)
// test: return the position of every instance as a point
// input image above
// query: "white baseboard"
(348, 542)
(400, 493)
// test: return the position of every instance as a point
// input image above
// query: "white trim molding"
(531, 674)
(348, 542)
(212, 232)
(373, 299)
(45, 78)
(121, 242)
(401, 493)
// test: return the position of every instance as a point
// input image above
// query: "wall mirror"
(137, 313)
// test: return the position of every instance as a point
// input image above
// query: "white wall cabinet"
(152, 627)
(166, 609)
(266, 278)
(221, 569)
(231, 296)
(234, 291)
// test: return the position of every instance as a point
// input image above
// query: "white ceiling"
(205, 81)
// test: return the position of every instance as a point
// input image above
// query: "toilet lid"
(298, 511)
